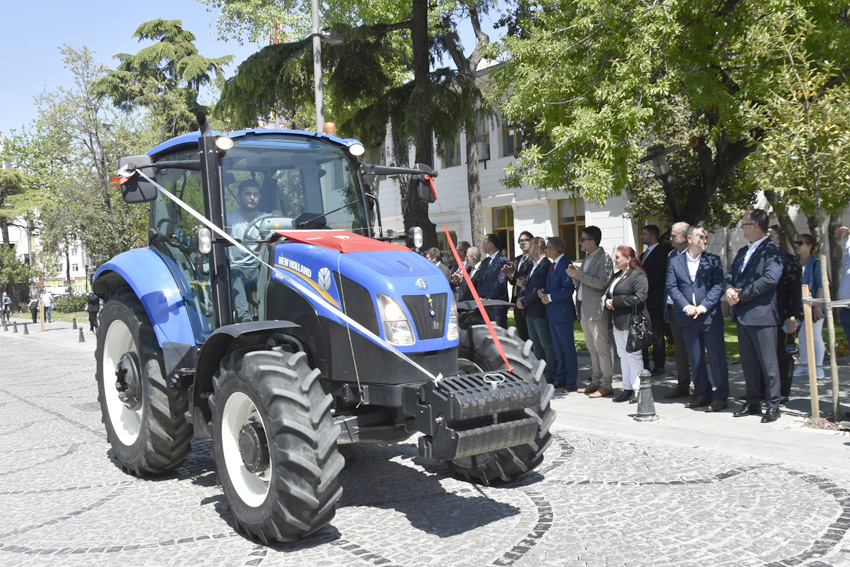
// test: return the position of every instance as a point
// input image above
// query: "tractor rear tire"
(478, 353)
(151, 435)
(275, 444)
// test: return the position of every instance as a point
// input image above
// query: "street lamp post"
(332, 38)
(657, 155)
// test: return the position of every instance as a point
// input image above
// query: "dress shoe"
(559, 384)
(678, 392)
(748, 409)
(624, 396)
(772, 414)
(657, 371)
(698, 402)
(589, 389)
(601, 392)
(570, 388)
(717, 405)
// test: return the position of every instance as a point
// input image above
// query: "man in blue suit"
(493, 283)
(751, 292)
(528, 302)
(561, 312)
(695, 284)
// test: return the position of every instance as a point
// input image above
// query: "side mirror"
(425, 189)
(137, 189)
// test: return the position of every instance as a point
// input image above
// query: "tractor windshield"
(307, 181)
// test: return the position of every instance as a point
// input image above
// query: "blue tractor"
(282, 336)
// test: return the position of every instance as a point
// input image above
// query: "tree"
(597, 79)
(12, 182)
(380, 75)
(68, 155)
(164, 78)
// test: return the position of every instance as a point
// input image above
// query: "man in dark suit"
(695, 283)
(517, 271)
(789, 301)
(530, 304)
(751, 292)
(561, 312)
(654, 262)
(493, 283)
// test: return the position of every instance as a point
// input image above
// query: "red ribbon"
(470, 284)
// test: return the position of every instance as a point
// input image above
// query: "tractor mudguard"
(154, 284)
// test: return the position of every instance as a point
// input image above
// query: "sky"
(31, 34)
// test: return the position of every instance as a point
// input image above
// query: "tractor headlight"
(397, 328)
(453, 329)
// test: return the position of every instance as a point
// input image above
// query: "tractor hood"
(348, 271)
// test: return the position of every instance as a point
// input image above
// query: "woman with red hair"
(627, 287)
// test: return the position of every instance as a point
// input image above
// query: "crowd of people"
(679, 287)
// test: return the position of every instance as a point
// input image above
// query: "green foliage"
(67, 155)
(602, 81)
(805, 110)
(12, 270)
(71, 303)
(164, 78)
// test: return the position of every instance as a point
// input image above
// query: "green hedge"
(71, 304)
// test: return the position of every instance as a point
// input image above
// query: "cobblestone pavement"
(599, 499)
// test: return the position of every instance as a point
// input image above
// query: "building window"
(511, 140)
(451, 154)
(570, 225)
(75, 267)
(73, 251)
(482, 135)
(503, 227)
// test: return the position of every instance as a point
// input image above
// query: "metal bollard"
(14, 326)
(82, 336)
(646, 405)
(5, 326)
(26, 331)
(75, 323)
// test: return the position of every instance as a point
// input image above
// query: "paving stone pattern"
(596, 501)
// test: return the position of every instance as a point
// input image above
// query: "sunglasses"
(799, 242)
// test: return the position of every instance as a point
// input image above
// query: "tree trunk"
(473, 185)
(414, 211)
(836, 254)
(4, 229)
(789, 230)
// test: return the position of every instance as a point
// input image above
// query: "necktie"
(551, 270)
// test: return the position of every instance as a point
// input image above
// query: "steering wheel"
(245, 241)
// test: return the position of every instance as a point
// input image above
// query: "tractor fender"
(219, 344)
(155, 286)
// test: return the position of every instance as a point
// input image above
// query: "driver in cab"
(243, 266)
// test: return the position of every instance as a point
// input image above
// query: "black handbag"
(640, 330)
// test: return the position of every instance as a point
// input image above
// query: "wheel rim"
(466, 366)
(252, 488)
(126, 423)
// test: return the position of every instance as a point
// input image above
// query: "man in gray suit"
(751, 292)
(592, 279)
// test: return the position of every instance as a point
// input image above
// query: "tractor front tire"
(144, 418)
(478, 353)
(275, 444)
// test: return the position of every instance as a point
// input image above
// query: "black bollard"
(82, 336)
(14, 326)
(26, 331)
(75, 323)
(646, 405)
